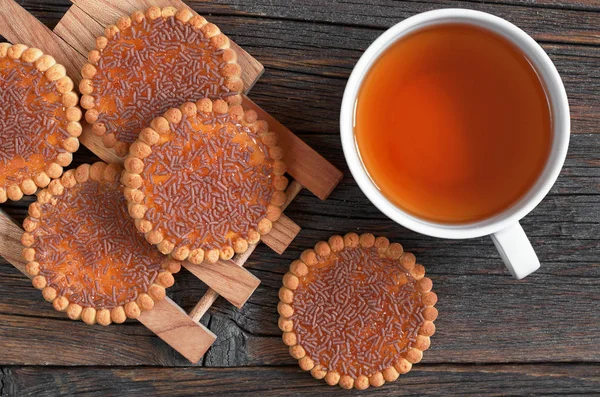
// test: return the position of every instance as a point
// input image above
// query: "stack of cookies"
(202, 178)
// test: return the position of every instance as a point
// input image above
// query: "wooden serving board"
(69, 43)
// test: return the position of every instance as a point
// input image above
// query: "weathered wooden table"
(496, 335)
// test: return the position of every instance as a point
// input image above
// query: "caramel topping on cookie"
(38, 121)
(356, 311)
(84, 249)
(205, 181)
(151, 62)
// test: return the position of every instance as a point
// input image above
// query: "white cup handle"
(516, 251)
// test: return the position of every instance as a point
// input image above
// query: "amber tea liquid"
(453, 124)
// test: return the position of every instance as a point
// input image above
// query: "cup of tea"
(455, 124)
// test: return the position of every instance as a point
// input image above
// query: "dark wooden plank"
(544, 23)
(265, 8)
(464, 380)
(556, 4)
(259, 8)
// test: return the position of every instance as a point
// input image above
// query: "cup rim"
(554, 89)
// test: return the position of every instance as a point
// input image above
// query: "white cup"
(504, 228)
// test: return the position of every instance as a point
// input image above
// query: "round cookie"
(84, 252)
(39, 120)
(357, 311)
(149, 62)
(205, 181)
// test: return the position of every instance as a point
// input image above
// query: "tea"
(452, 124)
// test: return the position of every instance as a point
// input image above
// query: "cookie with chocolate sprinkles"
(150, 62)
(84, 252)
(205, 180)
(357, 311)
(39, 120)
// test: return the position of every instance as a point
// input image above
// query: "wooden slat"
(211, 295)
(231, 281)
(10, 242)
(106, 13)
(306, 165)
(171, 324)
(284, 231)
(19, 26)
(79, 30)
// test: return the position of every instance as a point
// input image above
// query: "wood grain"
(459, 380)
(284, 231)
(10, 242)
(229, 280)
(19, 26)
(574, 24)
(79, 30)
(171, 324)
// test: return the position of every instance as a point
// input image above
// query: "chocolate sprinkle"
(89, 250)
(151, 67)
(31, 114)
(202, 187)
(357, 312)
